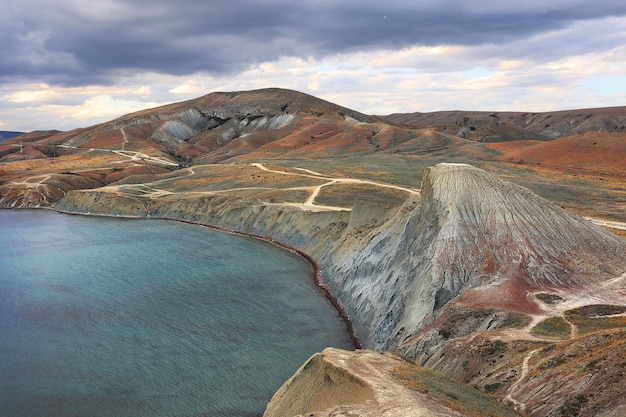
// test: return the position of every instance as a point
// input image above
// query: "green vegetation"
(348, 194)
(597, 317)
(553, 327)
(491, 347)
(515, 320)
(592, 364)
(456, 395)
(445, 333)
(493, 387)
(595, 310)
(554, 362)
(573, 406)
(548, 298)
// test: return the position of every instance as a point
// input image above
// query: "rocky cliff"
(424, 274)
(394, 268)
(471, 230)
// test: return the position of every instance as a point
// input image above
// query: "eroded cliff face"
(395, 268)
(471, 230)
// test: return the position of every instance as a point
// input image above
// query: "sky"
(66, 64)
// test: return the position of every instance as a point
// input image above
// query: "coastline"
(316, 274)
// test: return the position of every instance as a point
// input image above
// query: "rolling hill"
(504, 126)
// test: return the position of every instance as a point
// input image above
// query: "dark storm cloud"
(76, 43)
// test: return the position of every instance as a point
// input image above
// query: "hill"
(592, 153)
(504, 126)
(464, 256)
(286, 126)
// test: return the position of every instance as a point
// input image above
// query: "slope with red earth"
(587, 154)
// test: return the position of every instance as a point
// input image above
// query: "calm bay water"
(117, 317)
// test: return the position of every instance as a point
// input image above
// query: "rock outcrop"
(366, 383)
(471, 230)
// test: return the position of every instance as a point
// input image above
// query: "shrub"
(515, 320)
(493, 387)
(572, 407)
(553, 327)
(548, 298)
(494, 346)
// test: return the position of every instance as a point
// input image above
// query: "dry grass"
(225, 177)
(466, 399)
(553, 327)
(515, 320)
(587, 154)
(594, 318)
(348, 194)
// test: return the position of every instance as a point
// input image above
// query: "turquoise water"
(118, 317)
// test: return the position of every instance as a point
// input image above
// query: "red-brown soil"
(587, 154)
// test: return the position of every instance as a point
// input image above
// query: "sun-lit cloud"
(143, 90)
(65, 64)
(106, 106)
(26, 96)
(187, 88)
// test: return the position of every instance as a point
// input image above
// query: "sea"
(105, 316)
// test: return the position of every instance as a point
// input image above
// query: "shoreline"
(316, 274)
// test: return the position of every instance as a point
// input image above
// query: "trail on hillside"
(519, 406)
(309, 204)
(125, 138)
(132, 155)
(607, 223)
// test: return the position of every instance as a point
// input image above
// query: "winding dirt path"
(519, 406)
(607, 223)
(309, 204)
(125, 138)
(148, 189)
(132, 155)
(313, 174)
(31, 182)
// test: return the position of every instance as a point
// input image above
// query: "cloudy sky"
(74, 63)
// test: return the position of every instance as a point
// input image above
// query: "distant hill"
(223, 126)
(590, 152)
(6, 135)
(496, 126)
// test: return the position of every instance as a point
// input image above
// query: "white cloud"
(43, 93)
(519, 75)
(187, 88)
(105, 107)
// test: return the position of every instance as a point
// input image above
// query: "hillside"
(285, 126)
(504, 126)
(591, 153)
(371, 384)
(467, 257)
(472, 231)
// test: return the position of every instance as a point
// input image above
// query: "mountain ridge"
(497, 126)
